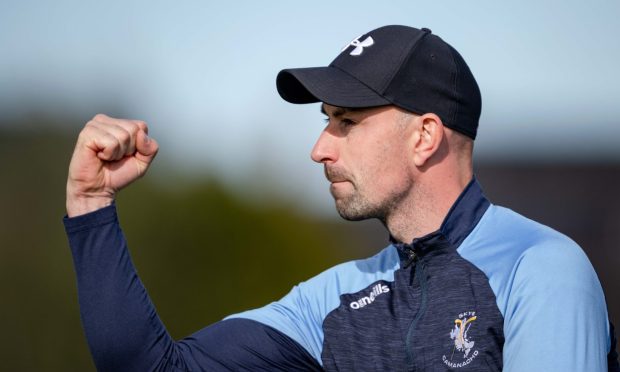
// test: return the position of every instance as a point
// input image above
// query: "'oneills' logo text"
(367, 300)
(462, 343)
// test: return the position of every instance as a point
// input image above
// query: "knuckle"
(133, 129)
(128, 126)
(100, 117)
(89, 128)
(118, 142)
(141, 124)
(111, 141)
(124, 136)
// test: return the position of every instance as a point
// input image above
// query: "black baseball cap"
(393, 65)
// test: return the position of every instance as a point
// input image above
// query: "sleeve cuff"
(102, 216)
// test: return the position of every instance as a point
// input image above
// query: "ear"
(429, 134)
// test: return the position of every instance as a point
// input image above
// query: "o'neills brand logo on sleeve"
(367, 300)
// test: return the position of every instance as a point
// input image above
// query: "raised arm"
(121, 325)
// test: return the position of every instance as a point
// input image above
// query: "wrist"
(81, 204)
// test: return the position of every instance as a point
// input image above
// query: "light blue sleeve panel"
(555, 317)
(301, 312)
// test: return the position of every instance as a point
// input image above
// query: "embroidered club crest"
(459, 335)
(462, 343)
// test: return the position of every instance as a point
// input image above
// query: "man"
(464, 284)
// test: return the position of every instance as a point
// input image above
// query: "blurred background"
(233, 198)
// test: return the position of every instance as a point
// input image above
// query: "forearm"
(120, 322)
(124, 332)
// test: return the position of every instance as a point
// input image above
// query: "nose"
(324, 150)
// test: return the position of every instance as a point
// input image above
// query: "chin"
(352, 212)
(352, 217)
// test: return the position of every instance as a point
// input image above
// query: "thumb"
(146, 148)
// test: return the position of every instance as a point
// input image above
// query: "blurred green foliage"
(202, 252)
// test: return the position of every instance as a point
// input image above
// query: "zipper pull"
(411, 259)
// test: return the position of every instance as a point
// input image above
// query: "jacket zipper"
(417, 271)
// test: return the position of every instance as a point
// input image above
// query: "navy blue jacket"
(489, 290)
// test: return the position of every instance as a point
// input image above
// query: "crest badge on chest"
(463, 345)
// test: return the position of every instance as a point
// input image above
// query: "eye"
(344, 122)
(347, 122)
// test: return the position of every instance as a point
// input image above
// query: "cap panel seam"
(408, 54)
(363, 83)
(453, 122)
(409, 108)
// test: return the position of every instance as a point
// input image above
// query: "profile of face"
(365, 156)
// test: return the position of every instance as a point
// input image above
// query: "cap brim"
(326, 84)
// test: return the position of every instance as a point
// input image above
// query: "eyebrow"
(339, 111)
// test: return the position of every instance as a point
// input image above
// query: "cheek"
(379, 160)
(392, 157)
(388, 170)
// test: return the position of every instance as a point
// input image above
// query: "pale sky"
(202, 74)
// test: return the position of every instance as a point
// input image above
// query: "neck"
(425, 209)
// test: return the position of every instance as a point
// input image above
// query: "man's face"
(366, 158)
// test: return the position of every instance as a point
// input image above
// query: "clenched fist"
(109, 155)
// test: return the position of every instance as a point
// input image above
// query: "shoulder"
(521, 256)
(502, 226)
(301, 312)
(546, 289)
(515, 241)
(322, 292)
(353, 276)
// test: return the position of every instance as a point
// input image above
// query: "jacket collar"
(461, 219)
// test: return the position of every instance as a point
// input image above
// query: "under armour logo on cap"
(359, 45)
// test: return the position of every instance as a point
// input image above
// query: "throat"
(405, 230)
(419, 217)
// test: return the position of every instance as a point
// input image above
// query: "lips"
(334, 175)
